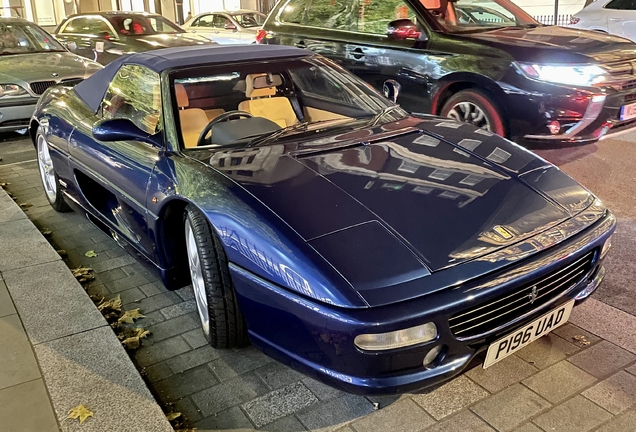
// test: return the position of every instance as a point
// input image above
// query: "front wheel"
(476, 108)
(221, 319)
(49, 178)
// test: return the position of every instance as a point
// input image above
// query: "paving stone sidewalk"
(555, 384)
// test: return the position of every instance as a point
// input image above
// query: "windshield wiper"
(277, 133)
(376, 118)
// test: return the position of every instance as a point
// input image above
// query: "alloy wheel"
(468, 112)
(47, 172)
(196, 273)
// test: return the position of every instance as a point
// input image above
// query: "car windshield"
(478, 15)
(139, 25)
(23, 38)
(249, 19)
(257, 103)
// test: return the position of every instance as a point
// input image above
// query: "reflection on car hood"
(447, 200)
(57, 66)
(557, 44)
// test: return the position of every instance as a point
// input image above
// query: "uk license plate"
(512, 343)
(628, 112)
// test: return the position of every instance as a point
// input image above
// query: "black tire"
(57, 202)
(482, 100)
(227, 327)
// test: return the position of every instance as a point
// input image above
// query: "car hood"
(45, 66)
(150, 42)
(441, 192)
(553, 44)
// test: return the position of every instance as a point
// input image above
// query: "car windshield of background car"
(465, 16)
(249, 20)
(143, 26)
(18, 38)
(327, 96)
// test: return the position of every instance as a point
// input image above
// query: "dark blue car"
(376, 250)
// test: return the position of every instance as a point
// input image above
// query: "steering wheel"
(230, 115)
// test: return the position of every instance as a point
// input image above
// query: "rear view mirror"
(403, 29)
(71, 46)
(391, 89)
(267, 81)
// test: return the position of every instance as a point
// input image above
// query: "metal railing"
(562, 20)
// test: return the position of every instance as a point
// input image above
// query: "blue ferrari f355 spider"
(375, 250)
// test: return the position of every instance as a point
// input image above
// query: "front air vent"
(41, 86)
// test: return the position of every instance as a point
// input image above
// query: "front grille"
(622, 75)
(41, 86)
(486, 317)
(630, 97)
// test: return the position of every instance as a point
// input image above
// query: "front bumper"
(15, 117)
(317, 339)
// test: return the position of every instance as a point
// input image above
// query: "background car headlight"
(584, 75)
(397, 339)
(8, 90)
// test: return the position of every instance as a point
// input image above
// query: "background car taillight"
(574, 20)
(260, 35)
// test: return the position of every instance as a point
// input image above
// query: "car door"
(113, 176)
(621, 18)
(74, 31)
(354, 34)
(226, 30)
(94, 36)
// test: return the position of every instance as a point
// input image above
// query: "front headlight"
(584, 75)
(9, 90)
(397, 339)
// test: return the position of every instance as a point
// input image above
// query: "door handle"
(357, 53)
(616, 19)
(301, 44)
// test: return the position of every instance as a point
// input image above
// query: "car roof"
(93, 89)
(14, 20)
(114, 13)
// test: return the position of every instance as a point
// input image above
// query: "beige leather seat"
(262, 104)
(192, 120)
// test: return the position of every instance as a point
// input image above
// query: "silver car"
(31, 61)
(235, 27)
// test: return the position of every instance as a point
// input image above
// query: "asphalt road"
(607, 168)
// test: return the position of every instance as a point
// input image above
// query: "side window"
(134, 94)
(621, 5)
(366, 16)
(204, 21)
(219, 21)
(375, 15)
(97, 26)
(313, 82)
(76, 25)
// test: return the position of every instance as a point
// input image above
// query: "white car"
(228, 27)
(617, 17)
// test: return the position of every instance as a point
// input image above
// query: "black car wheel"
(477, 108)
(221, 319)
(49, 178)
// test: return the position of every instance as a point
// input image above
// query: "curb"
(81, 359)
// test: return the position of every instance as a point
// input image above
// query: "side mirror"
(391, 89)
(122, 129)
(71, 46)
(403, 29)
(230, 26)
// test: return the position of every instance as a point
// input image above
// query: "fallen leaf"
(581, 339)
(26, 205)
(130, 316)
(113, 304)
(83, 274)
(46, 232)
(61, 252)
(132, 337)
(4, 184)
(173, 415)
(90, 254)
(80, 411)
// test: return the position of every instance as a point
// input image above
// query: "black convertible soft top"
(93, 89)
